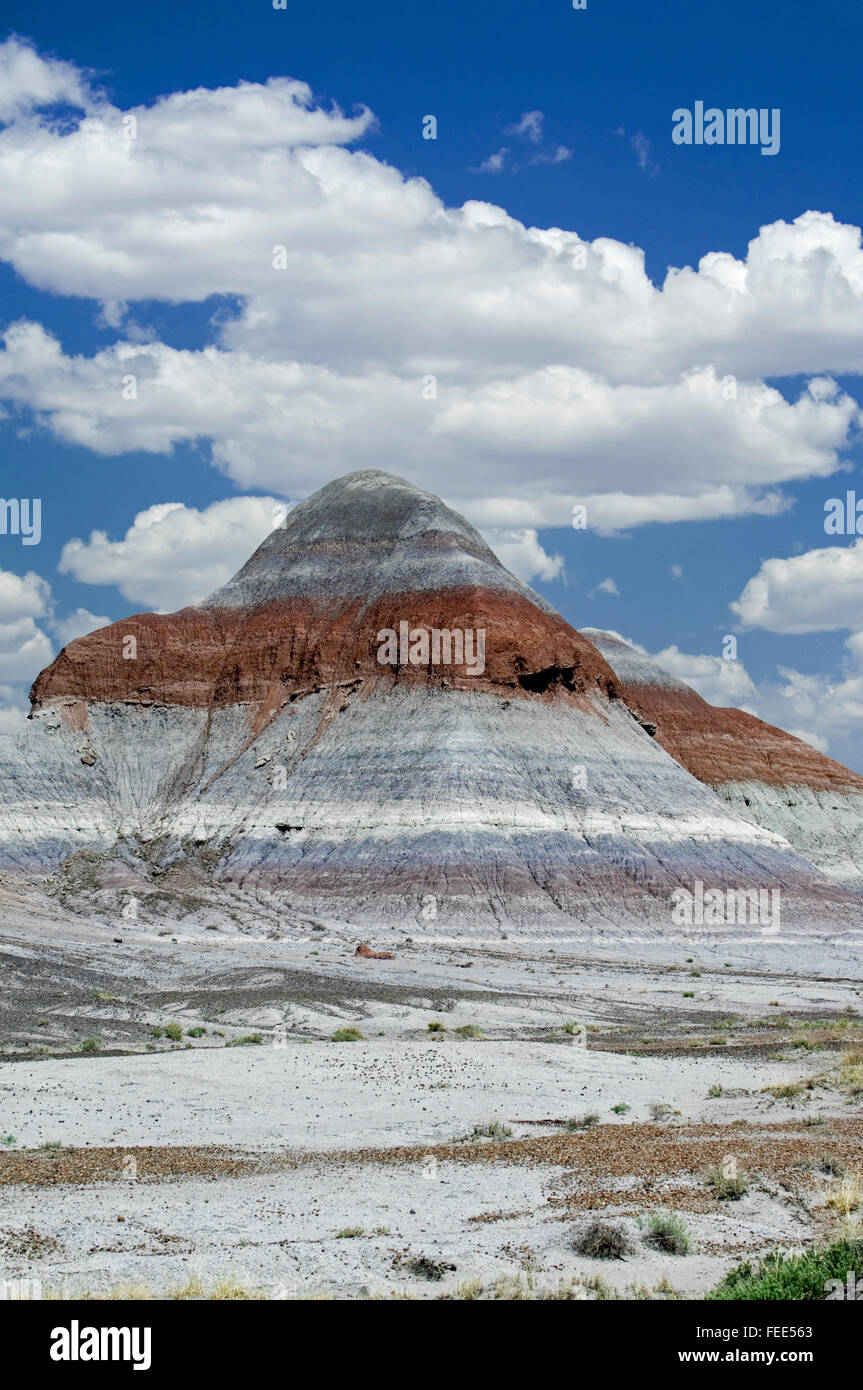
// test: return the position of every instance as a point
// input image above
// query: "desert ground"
(178, 1116)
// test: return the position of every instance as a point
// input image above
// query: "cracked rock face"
(300, 734)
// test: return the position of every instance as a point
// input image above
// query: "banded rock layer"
(774, 779)
(257, 742)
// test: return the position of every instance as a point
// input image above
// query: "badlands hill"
(312, 737)
(769, 776)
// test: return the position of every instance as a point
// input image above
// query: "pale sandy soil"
(267, 1151)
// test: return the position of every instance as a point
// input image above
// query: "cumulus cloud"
(522, 553)
(30, 82)
(546, 348)
(173, 555)
(26, 610)
(819, 591)
(23, 596)
(24, 650)
(679, 435)
(77, 624)
(825, 711)
(717, 680)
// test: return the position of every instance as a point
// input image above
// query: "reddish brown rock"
(729, 745)
(265, 656)
(367, 953)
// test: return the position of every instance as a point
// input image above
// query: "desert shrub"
(601, 1241)
(668, 1232)
(728, 1187)
(788, 1278)
(577, 1122)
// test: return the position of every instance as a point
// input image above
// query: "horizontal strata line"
(328, 818)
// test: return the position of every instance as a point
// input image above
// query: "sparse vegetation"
(492, 1129)
(469, 1030)
(660, 1111)
(436, 1026)
(91, 1045)
(348, 1035)
(577, 1122)
(621, 1108)
(791, 1277)
(601, 1241)
(349, 1233)
(195, 1032)
(728, 1184)
(668, 1232)
(174, 1031)
(248, 1040)
(424, 1268)
(715, 1091)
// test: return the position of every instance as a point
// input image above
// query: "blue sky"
(563, 119)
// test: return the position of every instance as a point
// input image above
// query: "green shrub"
(348, 1035)
(729, 1187)
(788, 1278)
(668, 1232)
(493, 1129)
(173, 1031)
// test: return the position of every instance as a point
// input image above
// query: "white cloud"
(522, 553)
(558, 155)
(495, 162)
(173, 555)
(718, 681)
(78, 624)
(676, 571)
(819, 591)
(825, 711)
(679, 435)
(23, 596)
(588, 371)
(24, 650)
(530, 126)
(28, 81)
(605, 586)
